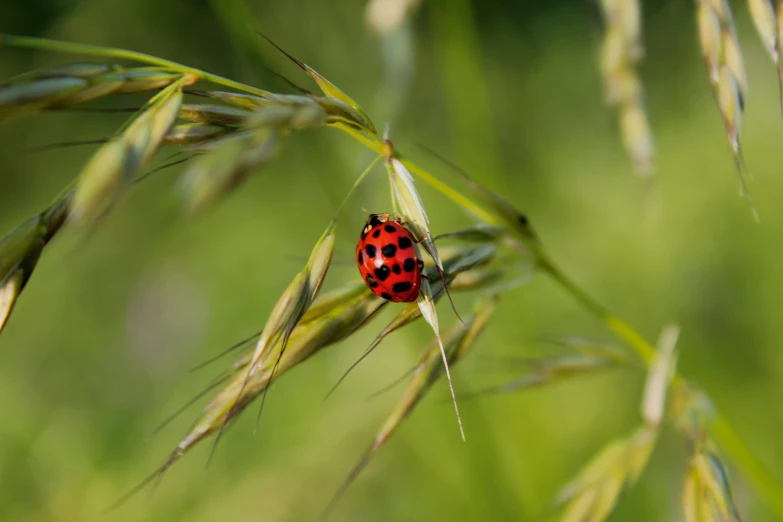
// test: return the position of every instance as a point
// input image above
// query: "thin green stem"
(374, 143)
(45, 44)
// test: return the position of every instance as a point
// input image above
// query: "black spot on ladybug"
(360, 257)
(389, 228)
(396, 269)
(386, 296)
(377, 233)
(409, 265)
(382, 273)
(371, 281)
(401, 287)
(389, 250)
(405, 242)
(370, 251)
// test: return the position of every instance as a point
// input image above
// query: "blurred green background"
(98, 349)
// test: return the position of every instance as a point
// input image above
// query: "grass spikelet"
(19, 253)
(592, 495)
(290, 111)
(622, 50)
(67, 85)
(297, 298)
(457, 341)
(726, 68)
(254, 138)
(706, 495)
(20, 250)
(20, 98)
(637, 137)
(660, 374)
(290, 308)
(114, 165)
(230, 160)
(328, 88)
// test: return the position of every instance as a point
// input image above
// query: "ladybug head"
(375, 220)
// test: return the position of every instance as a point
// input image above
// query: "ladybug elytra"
(387, 259)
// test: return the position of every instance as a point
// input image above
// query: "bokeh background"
(98, 349)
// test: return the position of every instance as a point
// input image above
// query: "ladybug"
(387, 259)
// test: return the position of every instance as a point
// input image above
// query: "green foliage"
(223, 145)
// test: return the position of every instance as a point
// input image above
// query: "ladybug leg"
(420, 266)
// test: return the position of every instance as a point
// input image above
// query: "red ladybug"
(387, 259)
